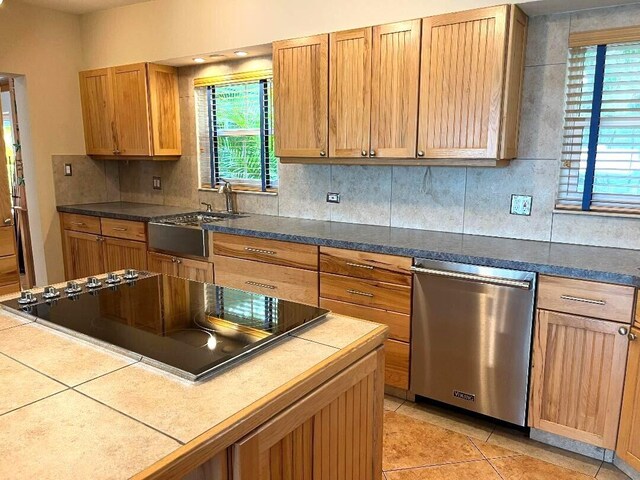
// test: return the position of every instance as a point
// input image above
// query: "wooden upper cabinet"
(131, 111)
(350, 93)
(300, 80)
(394, 89)
(97, 111)
(628, 448)
(470, 83)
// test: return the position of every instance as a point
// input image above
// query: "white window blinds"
(601, 146)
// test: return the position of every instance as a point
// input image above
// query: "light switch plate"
(157, 183)
(521, 205)
(68, 171)
(333, 197)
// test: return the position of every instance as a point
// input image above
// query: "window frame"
(263, 77)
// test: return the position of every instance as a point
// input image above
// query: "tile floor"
(424, 442)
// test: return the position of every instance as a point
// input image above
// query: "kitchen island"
(312, 402)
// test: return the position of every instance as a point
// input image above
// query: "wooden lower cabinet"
(197, 270)
(628, 448)
(335, 432)
(577, 377)
(9, 276)
(396, 371)
(161, 263)
(121, 254)
(83, 254)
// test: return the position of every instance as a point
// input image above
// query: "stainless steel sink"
(183, 234)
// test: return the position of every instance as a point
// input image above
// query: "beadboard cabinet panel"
(131, 107)
(629, 435)
(96, 93)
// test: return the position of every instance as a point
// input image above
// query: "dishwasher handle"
(505, 282)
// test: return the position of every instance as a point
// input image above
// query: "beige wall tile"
(88, 183)
(601, 18)
(596, 230)
(547, 40)
(303, 189)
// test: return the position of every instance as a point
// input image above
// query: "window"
(235, 131)
(600, 167)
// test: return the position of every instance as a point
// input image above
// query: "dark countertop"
(613, 265)
(140, 212)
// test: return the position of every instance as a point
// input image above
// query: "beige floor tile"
(71, 436)
(413, 443)
(8, 321)
(57, 355)
(524, 467)
(493, 451)
(518, 442)
(392, 403)
(457, 422)
(611, 472)
(21, 385)
(476, 470)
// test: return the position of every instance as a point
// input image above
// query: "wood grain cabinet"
(9, 274)
(578, 371)
(300, 82)
(131, 111)
(628, 448)
(470, 83)
(196, 270)
(83, 254)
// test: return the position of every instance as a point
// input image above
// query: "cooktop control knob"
(113, 278)
(72, 288)
(26, 298)
(130, 274)
(93, 282)
(50, 293)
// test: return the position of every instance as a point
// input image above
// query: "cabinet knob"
(363, 153)
(323, 153)
(420, 153)
(632, 337)
(623, 330)
(372, 153)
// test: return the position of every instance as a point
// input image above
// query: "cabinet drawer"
(369, 293)
(399, 324)
(274, 280)
(126, 229)
(591, 299)
(372, 266)
(7, 246)
(287, 254)
(81, 223)
(396, 370)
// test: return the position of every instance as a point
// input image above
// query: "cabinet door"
(394, 89)
(120, 254)
(577, 377)
(131, 110)
(196, 270)
(97, 111)
(461, 83)
(160, 263)
(629, 436)
(165, 109)
(83, 255)
(300, 82)
(350, 93)
(333, 433)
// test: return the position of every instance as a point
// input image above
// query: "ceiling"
(81, 6)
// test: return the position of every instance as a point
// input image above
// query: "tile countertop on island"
(76, 410)
(604, 264)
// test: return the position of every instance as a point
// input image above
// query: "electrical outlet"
(157, 183)
(333, 197)
(68, 171)
(521, 205)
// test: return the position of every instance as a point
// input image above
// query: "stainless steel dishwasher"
(471, 337)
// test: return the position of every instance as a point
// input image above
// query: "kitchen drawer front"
(287, 254)
(396, 361)
(399, 324)
(288, 283)
(372, 266)
(125, 229)
(7, 245)
(369, 293)
(590, 299)
(81, 223)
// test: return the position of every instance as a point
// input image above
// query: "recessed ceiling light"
(241, 53)
(198, 60)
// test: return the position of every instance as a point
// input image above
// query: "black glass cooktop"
(188, 328)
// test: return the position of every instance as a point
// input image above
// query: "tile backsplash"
(469, 200)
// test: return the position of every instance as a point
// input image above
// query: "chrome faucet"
(227, 189)
(208, 205)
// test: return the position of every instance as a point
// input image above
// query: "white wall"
(44, 47)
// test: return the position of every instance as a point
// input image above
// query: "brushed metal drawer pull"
(261, 285)
(582, 300)
(259, 250)
(358, 265)
(79, 224)
(119, 229)
(358, 292)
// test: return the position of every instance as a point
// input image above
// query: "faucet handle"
(208, 205)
